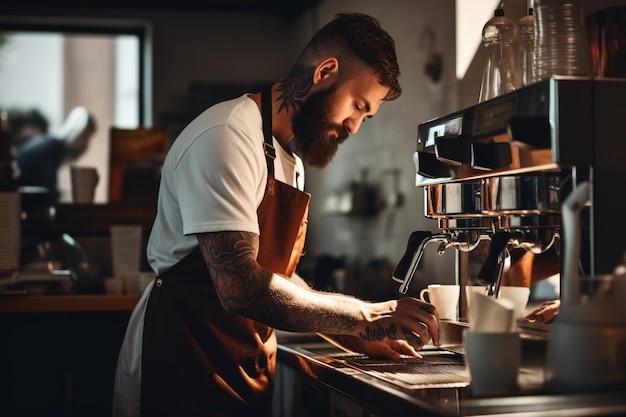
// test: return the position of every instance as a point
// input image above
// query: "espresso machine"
(499, 171)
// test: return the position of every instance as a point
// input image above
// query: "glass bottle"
(527, 47)
(501, 73)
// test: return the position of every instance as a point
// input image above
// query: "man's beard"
(311, 128)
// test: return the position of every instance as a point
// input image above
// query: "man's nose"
(353, 124)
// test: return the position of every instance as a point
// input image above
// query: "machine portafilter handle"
(490, 273)
(405, 270)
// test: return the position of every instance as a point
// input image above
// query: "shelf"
(67, 303)
(90, 219)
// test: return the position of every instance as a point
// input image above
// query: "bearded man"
(229, 232)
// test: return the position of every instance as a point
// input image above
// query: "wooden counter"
(67, 303)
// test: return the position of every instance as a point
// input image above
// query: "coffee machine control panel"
(515, 133)
(501, 168)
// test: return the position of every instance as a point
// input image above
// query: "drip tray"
(436, 369)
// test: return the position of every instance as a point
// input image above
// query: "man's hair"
(354, 37)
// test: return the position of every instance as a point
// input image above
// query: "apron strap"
(268, 145)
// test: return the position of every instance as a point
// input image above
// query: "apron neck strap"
(268, 145)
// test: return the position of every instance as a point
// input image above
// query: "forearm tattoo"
(294, 88)
(243, 287)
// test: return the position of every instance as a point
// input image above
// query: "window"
(55, 67)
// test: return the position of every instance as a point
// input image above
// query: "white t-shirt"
(213, 179)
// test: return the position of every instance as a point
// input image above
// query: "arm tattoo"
(230, 257)
(243, 287)
(294, 88)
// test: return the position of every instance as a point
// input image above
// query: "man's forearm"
(246, 288)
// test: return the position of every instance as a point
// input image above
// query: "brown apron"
(199, 360)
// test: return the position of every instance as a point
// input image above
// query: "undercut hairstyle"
(356, 39)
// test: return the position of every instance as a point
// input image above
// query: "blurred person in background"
(38, 154)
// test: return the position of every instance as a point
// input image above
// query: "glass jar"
(561, 46)
(501, 73)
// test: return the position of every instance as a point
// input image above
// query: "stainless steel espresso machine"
(501, 169)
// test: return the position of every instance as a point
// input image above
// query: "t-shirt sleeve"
(220, 181)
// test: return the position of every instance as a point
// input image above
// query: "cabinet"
(297, 394)
(58, 353)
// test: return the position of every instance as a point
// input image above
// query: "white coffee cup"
(469, 295)
(519, 297)
(493, 361)
(84, 183)
(444, 297)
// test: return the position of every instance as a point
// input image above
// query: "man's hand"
(388, 349)
(391, 349)
(545, 313)
(406, 329)
(407, 319)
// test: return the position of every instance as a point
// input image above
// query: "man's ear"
(326, 71)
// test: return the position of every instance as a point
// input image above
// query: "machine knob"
(427, 165)
(449, 149)
(490, 156)
(532, 132)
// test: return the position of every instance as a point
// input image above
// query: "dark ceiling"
(287, 9)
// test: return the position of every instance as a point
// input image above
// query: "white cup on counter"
(444, 297)
(518, 295)
(469, 295)
(493, 361)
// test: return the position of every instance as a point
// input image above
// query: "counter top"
(333, 368)
(67, 303)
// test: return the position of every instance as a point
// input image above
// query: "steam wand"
(406, 268)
